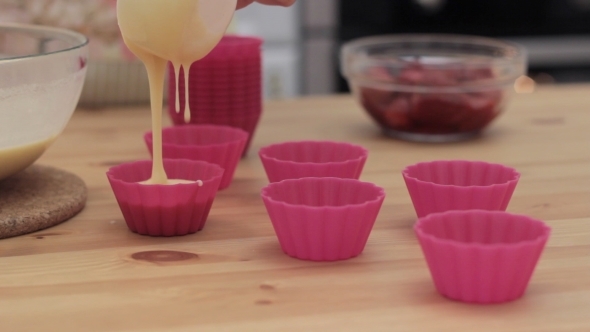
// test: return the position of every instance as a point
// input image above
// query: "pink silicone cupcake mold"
(480, 256)
(165, 210)
(323, 219)
(439, 186)
(225, 87)
(294, 160)
(220, 145)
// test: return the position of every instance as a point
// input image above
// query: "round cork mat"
(37, 198)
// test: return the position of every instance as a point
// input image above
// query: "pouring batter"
(179, 31)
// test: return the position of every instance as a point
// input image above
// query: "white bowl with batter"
(42, 73)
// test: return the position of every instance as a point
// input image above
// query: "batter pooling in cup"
(179, 31)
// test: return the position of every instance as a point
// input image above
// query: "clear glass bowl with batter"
(42, 71)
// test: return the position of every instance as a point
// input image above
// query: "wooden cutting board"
(37, 198)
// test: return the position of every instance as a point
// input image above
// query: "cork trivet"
(37, 198)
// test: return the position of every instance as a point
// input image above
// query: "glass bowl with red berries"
(432, 87)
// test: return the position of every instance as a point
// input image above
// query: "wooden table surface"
(92, 274)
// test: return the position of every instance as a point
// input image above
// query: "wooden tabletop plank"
(92, 274)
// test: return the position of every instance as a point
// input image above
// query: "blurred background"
(302, 42)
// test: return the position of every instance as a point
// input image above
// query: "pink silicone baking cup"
(161, 210)
(323, 219)
(220, 145)
(439, 186)
(225, 87)
(294, 160)
(480, 256)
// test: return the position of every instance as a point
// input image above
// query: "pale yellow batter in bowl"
(42, 73)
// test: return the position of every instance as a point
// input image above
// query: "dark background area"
(510, 19)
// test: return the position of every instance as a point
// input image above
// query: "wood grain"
(92, 274)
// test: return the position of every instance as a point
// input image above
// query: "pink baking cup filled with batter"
(220, 145)
(165, 210)
(439, 186)
(294, 160)
(323, 219)
(480, 256)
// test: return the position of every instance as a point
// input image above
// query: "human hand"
(285, 3)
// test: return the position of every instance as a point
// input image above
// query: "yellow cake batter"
(179, 31)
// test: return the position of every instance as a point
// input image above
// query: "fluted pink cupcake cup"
(323, 219)
(480, 256)
(225, 87)
(294, 160)
(439, 186)
(165, 210)
(220, 145)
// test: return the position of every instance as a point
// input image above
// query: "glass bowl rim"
(354, 57)
(81, 39)
(356, 46)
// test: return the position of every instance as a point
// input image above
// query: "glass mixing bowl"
(42, 72)
(432, 88)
